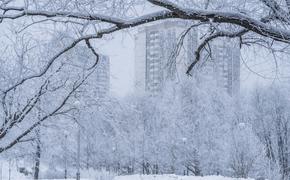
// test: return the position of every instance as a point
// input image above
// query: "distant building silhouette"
(155, 61)
(102, 76)
(226, 64)
(100, 79)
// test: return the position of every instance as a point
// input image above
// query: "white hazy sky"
(120, 49)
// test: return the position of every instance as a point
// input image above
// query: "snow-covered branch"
(210, 38)
(56, 111)
(174, 11)
(48, 14)
(233, 18)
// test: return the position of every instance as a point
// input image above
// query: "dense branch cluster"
(263, 26)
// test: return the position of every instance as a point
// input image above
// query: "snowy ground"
(102, 175)
(15, 175)
(173, 177)
(85, 175)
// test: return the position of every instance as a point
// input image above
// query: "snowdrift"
(174, 177)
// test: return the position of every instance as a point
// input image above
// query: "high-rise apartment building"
(99, 81)
(102, 76)
(226, 59)
(156, 45)
(155, 51)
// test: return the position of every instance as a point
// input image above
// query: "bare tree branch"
(56, 111)
(241, 20)
(48, 14)
(94, 52)
(238, 19)
(210, 38)
(175, 11)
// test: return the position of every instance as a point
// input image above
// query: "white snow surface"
(15, 175)
(174, 177)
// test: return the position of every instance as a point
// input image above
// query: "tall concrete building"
(155, 46)
(226, 64)
(155, 50)
(99, 81)
(102, 77)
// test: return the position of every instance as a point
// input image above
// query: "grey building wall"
(155, 63)
(102, 76)
(155, 59)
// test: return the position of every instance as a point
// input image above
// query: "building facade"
(156, 47)
(226, 69)
(155, 54)
(99, 81)
(102, 77)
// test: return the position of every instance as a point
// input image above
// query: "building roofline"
(164, 24)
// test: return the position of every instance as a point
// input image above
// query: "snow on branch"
(51, 61)
(173, 11)
(55, 112)
(234, 18)
(49, 14)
